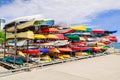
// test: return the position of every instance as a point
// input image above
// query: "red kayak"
(35, 52)
(79, 43)
(98, 31)
(107, 42)
(113, 38)
(80, 48)
(49, 30)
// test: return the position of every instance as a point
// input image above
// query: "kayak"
(65, 49)
(91, 43)
(21, 26)
(65, 31)
(80, 33)
(88, 29)
(96, 48)
(98, 31)
(48, 22)
(39, 36)
(44, 30)
(81, 54)
(51, 36)
(61, 36)
(79, 43)
(73, 37)
(11, 60)
(79, 28)
(110, 32)
(80, 48)
(44, 50)
(21, 35)
(54, 50)
(107, 42)
(45, 57)
(33, 52)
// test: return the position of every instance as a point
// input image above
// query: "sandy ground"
(2, 69)
(98, 68)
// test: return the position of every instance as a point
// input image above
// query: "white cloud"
(72, 11)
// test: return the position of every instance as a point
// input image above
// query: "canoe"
(103, 39)
(73, 37)
(113, 39)
(79, 43)
(107, 42)
(33, 52)
(79, 48)
(79, 28)
(110, 32)
(80, 54)
(21, 53)
(91, 43)
(39, 36)
(57, 55)
(51, 36)
(56, 43)
(11, 60)
(19, 43)
(54, 50)
(22, 35)
(91, 39)
(66, 56)
(82, 39)
(61, 42)
(112, 36)
(22, 26)
(48, 22)
(81, 33)
(96, 48)
(100, 44)
(88, 29)
(23, 20)
(45, 57)
(98, 31)
(44, 50)
(65, 31)
(65, 49)
(47, 44)
(46, 30)
(61, 36)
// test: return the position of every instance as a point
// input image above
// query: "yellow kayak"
(66, 56)
(81, 28)
(46, 57)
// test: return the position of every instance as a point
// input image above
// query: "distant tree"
(1, 36)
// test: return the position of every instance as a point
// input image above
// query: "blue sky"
(93, 13)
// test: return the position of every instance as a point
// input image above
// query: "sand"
(98, 68)
(2, 69)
